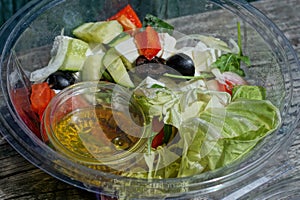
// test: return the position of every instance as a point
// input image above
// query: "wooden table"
(19, 179)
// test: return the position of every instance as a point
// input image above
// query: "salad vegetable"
(182, 63)
(61, 79)
(67, 54)
(98, 32)
(128, 18)
(193, 90)
(232, 61)
(153, 21)
(41, 94)
(148, 43)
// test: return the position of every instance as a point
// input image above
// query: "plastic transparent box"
(28, 37)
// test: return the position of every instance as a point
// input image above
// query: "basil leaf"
(231, 62)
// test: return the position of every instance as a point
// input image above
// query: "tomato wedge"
(148, 42)
(128, 18)
(158, 139)
(41, 94)
(164, 133)
(227, 87)
(126, 23)
(21, 102)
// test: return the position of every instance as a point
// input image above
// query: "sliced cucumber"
(93, 68)
(110, 56)
(126, 62)
(98, 32)
(120, 38)
(114, 65)
(128, 50)
(96, 48)
(113, 54)
(82, 31)
(75, 56)
(67, 53)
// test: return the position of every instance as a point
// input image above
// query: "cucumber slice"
(92, 68)
(127, 63)
(75, 56)
(67, 53)
(82, 31)
(128, 50)
(96, 48)
(120, 38)
(98, 32)
(116, 68)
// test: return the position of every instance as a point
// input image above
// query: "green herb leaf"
(232, 62)
(153, 21)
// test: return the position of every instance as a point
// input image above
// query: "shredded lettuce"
(213, 129)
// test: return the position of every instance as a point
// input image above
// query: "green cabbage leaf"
(213, 129)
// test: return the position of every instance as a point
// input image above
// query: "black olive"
(143, 60)
(144, 67)
(182, 63)
(158, 60)
(61, 79)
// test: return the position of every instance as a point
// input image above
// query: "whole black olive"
(153, 68)
(143, 60)
(182, 63)
(61, 79)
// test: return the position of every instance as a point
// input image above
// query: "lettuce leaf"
(213, 129)
(248, 92)
(176, 106)
(244, 124)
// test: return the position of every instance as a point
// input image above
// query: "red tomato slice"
(130, 14)
(20, 100)
(157, 126)
(148, 42)
(126, 23)
(158, 139)
(226, 81)
(41, 94)
(227, 87)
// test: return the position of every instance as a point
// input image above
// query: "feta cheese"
(128, 49)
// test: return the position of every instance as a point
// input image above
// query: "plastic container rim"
(36, 3)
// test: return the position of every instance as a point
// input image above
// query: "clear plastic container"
(75, 124)
(28, 37)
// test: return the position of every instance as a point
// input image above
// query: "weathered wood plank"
(20, 180)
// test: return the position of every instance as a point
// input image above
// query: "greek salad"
(204, 115)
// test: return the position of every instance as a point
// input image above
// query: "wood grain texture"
(20, 180)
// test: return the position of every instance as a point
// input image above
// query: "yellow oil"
(93, 133)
